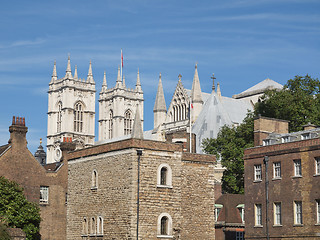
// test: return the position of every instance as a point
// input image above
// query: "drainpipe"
(266, 161)
(139, 153)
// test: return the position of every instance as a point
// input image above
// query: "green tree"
(16, 211)
(229, 146)
(4, 235)
(298, 102)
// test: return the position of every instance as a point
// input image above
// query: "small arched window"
(93, 226)
(127, 122)
(78, 117)
(110, 124)
(164, 176)
(94, 184)
(85, 227)
(100, 226)
(164, 227)
(59, 117)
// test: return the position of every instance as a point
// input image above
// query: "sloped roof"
(261, 87)
(217, 112)
(4, 148)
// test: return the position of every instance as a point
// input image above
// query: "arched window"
(93, 226)
(59, 117)
(94, 184)
(110, 124)
(85, 227)
(100, 225)
(164, 227)
(164, 176)
(127, 122)
(78, 117)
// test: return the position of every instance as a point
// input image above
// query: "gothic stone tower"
(117, 108)
(71, 111)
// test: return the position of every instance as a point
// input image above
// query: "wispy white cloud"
(23, 43)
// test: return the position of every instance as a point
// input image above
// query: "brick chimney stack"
(263, 126)
(67, 146)
(18, 131)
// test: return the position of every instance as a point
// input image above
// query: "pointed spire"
(118, 83)
(124, 81)
(160, 103)
(196, 94)
(68, 71)
(90, 76)
(104, 82)
(138, 84)
(213, 78)
(179, 76)
(54, 72)
(75, 72)
(137, 126)
(218, 90)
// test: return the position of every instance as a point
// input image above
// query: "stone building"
(136, 187)
(282, 182)
(71, 111)
(46, 186)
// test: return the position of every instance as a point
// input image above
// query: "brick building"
(134, 186)
(229, 217)
(45, 186)
(282, 182)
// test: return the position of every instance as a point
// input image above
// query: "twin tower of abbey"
(71, 111)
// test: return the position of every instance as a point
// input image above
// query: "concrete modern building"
(282, 182)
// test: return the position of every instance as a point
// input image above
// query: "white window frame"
(277, 170)
(44, 195)
(94, 180)
(241, 210)
(298, 220)
(297, 168)
(168, 176)
(85, 227)
(169, 226)
(217, 210)
(93, 227)
(257, 169)
(100, 226)
(277, 217)
(258, 215)
(318, 211)
(317, 166)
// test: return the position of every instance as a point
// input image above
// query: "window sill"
(94, 188)
(257, 181)
(43, 203)
(277, 225)
(277, 178)
(164, 236)
(298, 176)
(258, 226)
(164, 186)
(316, 175)
(298, 225)
(317, 224)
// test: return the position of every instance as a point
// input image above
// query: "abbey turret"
(117, 108)
(71, 110)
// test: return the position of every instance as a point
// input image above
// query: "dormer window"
(305, 136)
(266, 142)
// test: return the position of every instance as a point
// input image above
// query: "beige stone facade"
(103, 192)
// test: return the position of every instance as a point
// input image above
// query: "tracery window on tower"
(110, 125)
(179, 110)
(78, 117)
(127, 122)
(59, 117)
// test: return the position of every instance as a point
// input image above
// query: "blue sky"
(242, 41)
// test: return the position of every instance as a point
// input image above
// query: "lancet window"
(127, 122)
(78, 117)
